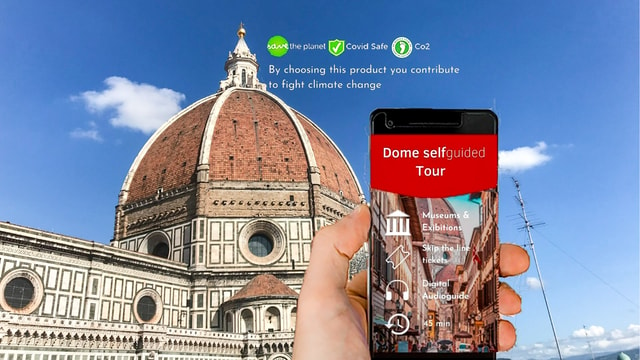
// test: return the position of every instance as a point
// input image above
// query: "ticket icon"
(402, 256)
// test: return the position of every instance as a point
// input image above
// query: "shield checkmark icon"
(336, 47)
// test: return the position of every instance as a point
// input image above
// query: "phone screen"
(433, 274)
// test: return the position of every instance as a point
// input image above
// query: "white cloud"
(617, 334)
(522, 158)
(533, 283)
(591, 331)
(578, 343)
(137, 106)
(602, 344)
(92, 133)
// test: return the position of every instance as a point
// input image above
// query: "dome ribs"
(335, 174)
(254, 140)
(170, 161)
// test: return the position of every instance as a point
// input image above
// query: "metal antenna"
(588, 342)
(528, 226)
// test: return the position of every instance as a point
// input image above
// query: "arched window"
(294, 313)
(228, 322)
(272, 319)
(246, 322)
(157, 244)
(244, 77)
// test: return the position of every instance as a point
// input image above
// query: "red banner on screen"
(434, 166)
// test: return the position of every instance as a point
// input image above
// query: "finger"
(357, 289)
(357, 293)
(326, 317)
(506, 335)
(514, 260)
(331, 250)
(509, 302)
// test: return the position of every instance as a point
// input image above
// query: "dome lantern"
(241, 66)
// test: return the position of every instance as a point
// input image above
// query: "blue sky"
(562, 76)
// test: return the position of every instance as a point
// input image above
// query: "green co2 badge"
(401, 47)
(336, 47)
(277, 46)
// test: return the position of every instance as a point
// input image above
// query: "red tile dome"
(239, 134)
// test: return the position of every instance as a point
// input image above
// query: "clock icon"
(398, 323)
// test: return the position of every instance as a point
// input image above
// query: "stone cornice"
(159, 197)
(38, 244)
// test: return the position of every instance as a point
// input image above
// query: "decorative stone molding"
(252, 202)
(34, 334)
(158, 216)
(162, 195)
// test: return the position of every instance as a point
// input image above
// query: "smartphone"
(433, 264)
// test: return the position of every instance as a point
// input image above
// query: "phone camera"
(389, 124)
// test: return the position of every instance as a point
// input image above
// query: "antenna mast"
(588, 342)
(528, 226)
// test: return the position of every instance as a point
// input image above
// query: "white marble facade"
(86, 296)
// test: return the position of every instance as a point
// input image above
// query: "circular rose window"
(147, 306)
(262, 242)
(22, 291)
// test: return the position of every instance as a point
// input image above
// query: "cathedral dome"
(229, 153)
(239, 134)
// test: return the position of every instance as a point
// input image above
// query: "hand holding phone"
(332, 314)
(335, 326)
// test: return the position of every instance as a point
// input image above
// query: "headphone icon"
(405, 294)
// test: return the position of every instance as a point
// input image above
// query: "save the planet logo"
(277, 46)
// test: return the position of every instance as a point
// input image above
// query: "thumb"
(331, 250)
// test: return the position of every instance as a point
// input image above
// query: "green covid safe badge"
(277, 46)
(336, 47)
